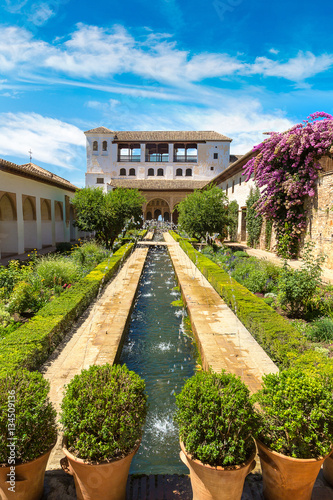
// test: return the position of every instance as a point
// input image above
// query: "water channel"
(158, 348)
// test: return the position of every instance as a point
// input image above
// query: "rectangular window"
(233, 187)
(100, 180)
(216, 155)
(212, 168)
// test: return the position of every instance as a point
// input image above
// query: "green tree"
(204, 212)
(106, 213)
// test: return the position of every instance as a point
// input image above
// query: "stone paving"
(223, 341)
(97, 338)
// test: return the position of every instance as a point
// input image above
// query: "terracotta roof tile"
(36, 172)
(161, 135)
(158, 184)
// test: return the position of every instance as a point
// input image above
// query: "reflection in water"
(158, 349)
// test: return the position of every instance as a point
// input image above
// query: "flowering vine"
(286, 167)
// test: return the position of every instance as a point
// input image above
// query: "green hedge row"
(281, 341)
(31, 344)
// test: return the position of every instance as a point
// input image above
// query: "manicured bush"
(216, 419)
(103, 412)
(31, 344)
(296, 413)
(24, 401)
(29, 296)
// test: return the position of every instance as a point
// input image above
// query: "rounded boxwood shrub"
(296, 413)
(103, 412)
(216, 419)
(24, 397)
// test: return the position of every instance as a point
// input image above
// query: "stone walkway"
(223, 341)
(327, 274)
(97, 338)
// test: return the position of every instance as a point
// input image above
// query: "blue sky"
(235, 66)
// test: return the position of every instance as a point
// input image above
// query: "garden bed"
(31, 344)
(285, 344)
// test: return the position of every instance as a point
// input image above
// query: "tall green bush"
(297, 287)
(253, 218)
(233, 220)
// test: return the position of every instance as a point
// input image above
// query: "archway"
(59, 221)
(30, 223)
(8, 225)
(45, 208)
(158, 209)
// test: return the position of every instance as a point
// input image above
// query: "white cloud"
(274, 51)
(40, 14)
(95, 52)
(303, 66)
(52, 141)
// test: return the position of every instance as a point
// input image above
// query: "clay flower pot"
(99, 481)
(328, 469)
(287, 478)
(29, 480)
(216, 483)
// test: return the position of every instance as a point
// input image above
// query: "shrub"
(321, 330)
(11, 275)
(103, 412)
(55, 270)
(296, 413)
(216, 419)
(64, 247)
(35, 417)
(29, 296)
(297, 287)
(253, 275)
(253, 219)
(90, 254)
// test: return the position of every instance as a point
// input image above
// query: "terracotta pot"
(29, 480)
(328, 469)
(216, 483)
(99, 481)
(287, 478)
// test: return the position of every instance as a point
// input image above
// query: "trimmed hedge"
(281, 341)
(31, 344)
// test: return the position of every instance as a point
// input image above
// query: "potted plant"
(295, 433)
(28, 432)
(103, 412)
(216, 420)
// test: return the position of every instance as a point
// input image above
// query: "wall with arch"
(33, 214)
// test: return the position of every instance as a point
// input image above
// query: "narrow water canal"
(158, 349)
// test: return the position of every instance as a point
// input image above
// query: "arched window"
(132, 171)
(160, 172)
(188, 172)
(151, 171)
(29, 212)
(123, 171)
(58, 213)
(179, 172)
(95, 146)
(105, 146)
(45, 209)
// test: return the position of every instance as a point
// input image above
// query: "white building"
(154, 156)
(35, 210)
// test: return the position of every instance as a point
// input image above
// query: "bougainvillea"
(287, 167)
